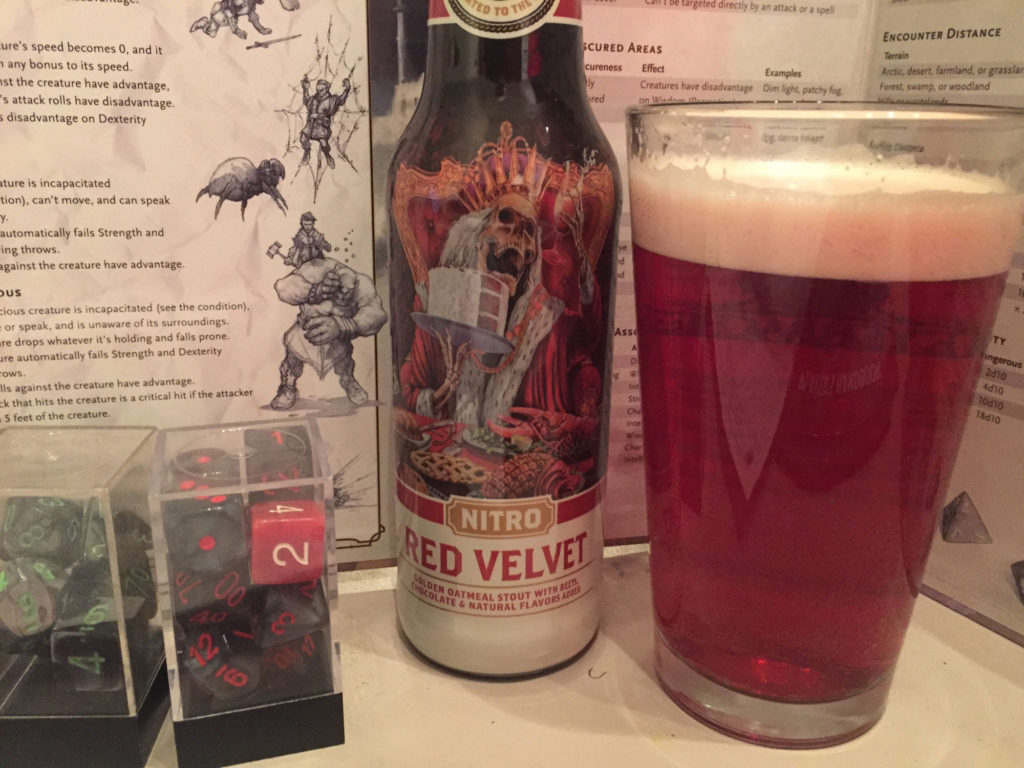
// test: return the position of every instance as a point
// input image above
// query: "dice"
(206, 535)
(87, 649)
(43, 526)
(94, 538)
(132, 530)
(199, 468)
(85, 644)
(287, 541)
(29, 594)
(290, 611)
(201, 599)
(276, 455)
(222, 659)
(137, 580)
(299, 667)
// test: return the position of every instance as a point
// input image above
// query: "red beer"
(789, 552)
(806, 363)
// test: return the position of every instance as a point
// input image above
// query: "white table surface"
(957, 700)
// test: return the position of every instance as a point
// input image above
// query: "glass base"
(762, 721)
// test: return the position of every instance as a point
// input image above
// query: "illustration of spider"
(238, 180)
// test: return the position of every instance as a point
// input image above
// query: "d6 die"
(287, 541)
(206, 535)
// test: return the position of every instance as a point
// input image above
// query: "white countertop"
(957, 700)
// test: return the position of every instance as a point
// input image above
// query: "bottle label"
(481, 557)
(504, 18)
(500, 337)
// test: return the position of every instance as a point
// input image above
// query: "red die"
(287, 541)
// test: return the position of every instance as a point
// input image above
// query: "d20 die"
(206, 535)
(287, 541)
(43, 526)
(290, 611)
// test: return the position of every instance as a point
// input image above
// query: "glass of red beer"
(815, 286)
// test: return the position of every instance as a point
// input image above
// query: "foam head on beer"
(826, 218)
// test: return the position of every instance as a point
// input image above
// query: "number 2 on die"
(287, 541)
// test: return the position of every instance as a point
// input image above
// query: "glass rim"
(918, 113)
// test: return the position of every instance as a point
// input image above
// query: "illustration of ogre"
(336, 305)
(321, 107)
(238, 180)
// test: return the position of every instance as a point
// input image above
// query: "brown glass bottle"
(504, 203)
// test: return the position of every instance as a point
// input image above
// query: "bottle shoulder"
(455, 120)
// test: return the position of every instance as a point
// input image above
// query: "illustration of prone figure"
(226, 13)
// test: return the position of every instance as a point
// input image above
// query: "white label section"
(505, 18)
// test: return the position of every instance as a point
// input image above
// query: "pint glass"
(815, 285)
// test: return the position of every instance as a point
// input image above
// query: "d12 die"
(287, 541)
(206, 535)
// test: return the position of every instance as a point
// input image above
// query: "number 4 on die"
(287, 541)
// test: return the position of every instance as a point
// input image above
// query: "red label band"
(432, 510)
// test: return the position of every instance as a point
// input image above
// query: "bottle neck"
(552, 55)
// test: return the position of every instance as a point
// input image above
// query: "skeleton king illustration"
(509, 316)
(321, 107)
(336, 305)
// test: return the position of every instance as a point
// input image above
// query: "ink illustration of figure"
(238, 180)
(335, 305)
(321, 107)
(226, 13)
(507, 352)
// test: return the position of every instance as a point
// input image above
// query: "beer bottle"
(504, 202)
